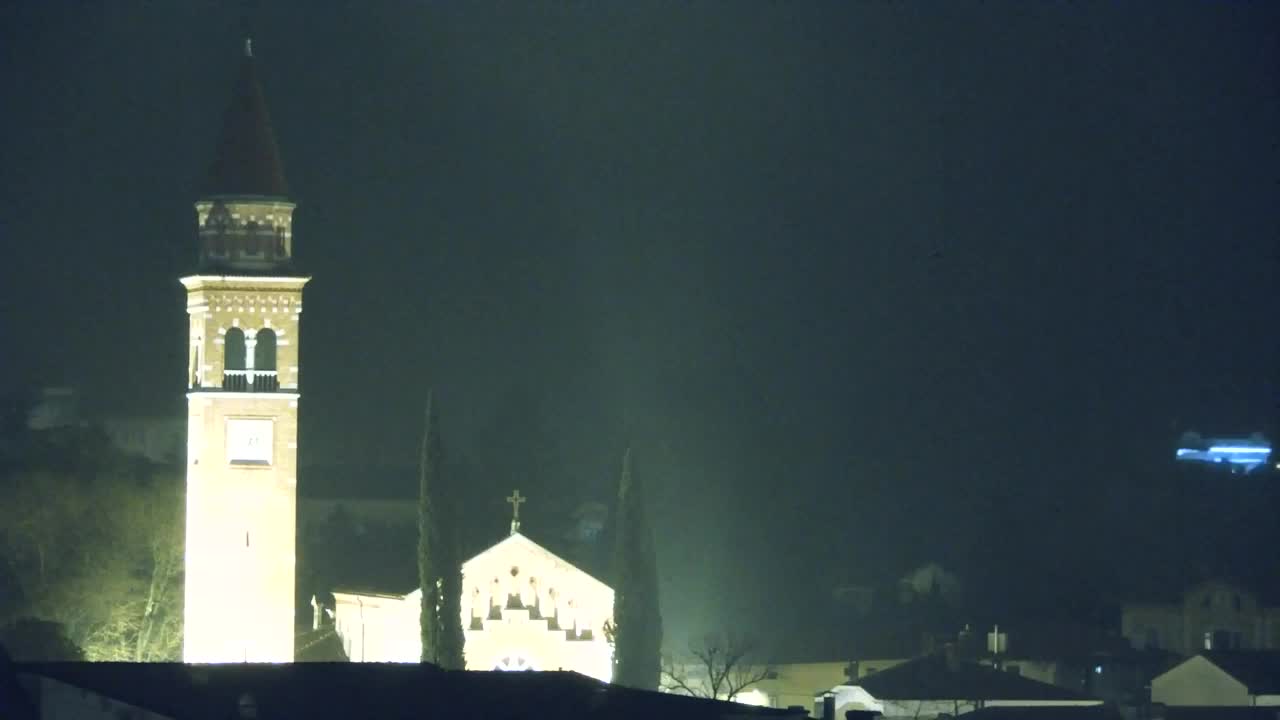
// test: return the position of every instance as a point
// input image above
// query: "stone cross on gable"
(515, 499)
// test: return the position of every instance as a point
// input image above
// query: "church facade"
(523, 608)
(244, 304)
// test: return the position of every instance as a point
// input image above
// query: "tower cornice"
(256, 282)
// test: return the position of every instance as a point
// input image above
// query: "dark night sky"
(855, 279)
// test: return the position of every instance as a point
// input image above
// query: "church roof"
(518, 540)
(383, 588)
(247, 161)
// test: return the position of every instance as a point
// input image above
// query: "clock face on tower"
(249, 441)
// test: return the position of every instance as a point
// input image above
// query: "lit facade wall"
(241, 472)
(379, 628)
(523, 608)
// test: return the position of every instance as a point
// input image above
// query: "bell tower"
(244, 303)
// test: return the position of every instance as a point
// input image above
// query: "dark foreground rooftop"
(933, 677)
(1086, 712)
(359, 690)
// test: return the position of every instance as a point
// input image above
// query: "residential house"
(940, 684)
(1221, 678)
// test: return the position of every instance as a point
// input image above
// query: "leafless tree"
(101, 556)
(720, 666)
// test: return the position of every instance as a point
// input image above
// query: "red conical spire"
(247, 162)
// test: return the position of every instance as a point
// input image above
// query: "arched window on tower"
(264, 353)
(234, 349)
(264, 361)
(234, 376)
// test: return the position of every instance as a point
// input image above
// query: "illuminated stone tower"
(242, 389)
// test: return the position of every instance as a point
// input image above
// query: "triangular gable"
(518, 543)
(513, 543)
(1196, 681)
(1257, 670)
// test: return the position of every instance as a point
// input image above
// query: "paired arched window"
(264, 350)
(235, 349)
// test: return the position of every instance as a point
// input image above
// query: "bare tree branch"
(720, 667)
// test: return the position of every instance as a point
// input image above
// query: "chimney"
(997, 642)
(824, 706)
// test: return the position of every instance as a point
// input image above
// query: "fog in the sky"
(864, 285)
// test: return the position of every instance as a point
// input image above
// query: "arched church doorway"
(514, 662)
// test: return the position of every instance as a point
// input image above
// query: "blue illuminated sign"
(1241, 455)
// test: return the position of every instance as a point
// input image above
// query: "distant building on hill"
(1214, 615)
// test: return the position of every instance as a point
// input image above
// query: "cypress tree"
(450, 641)
(428, 573)
(637, 616)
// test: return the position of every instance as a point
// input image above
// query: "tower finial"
(246, 26)
(515, 499)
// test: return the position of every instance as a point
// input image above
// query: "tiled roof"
(933, 677)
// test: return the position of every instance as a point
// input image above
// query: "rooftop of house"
(1218, 712)
(1258, 670)
(1049, 712)
(936, 677)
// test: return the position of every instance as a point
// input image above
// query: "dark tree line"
(637, 617)
(439, 563)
